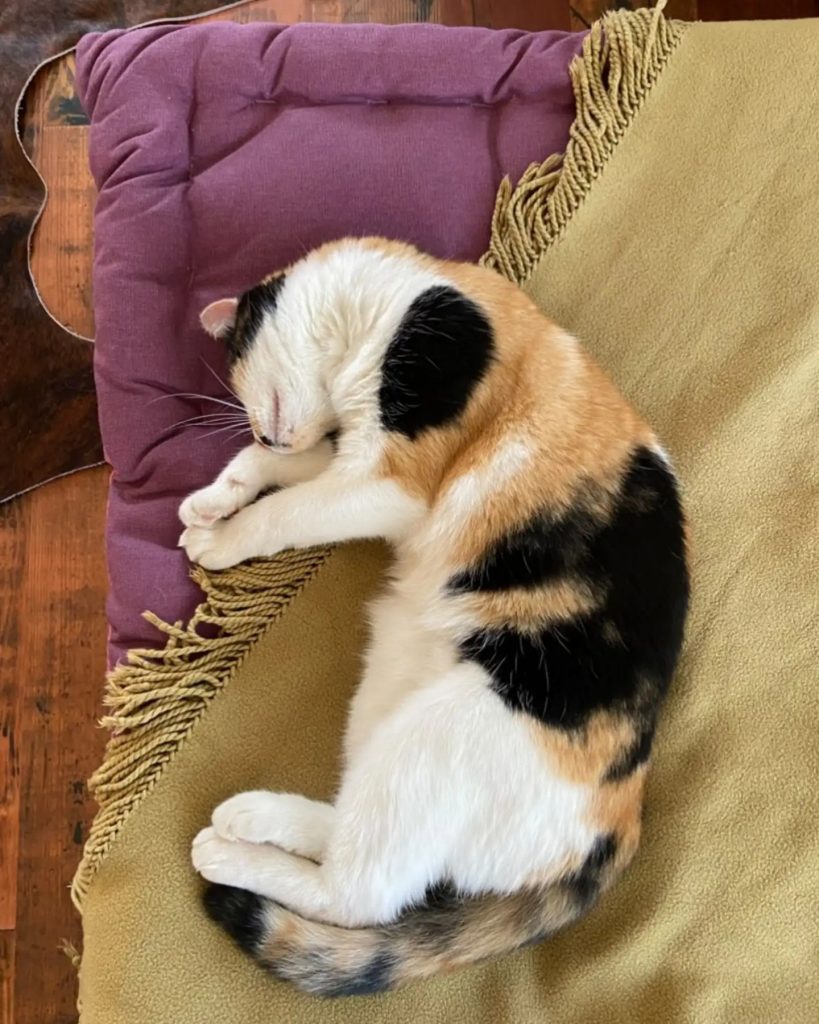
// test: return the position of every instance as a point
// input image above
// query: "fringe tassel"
(622, 56)
(157, 697)
(70, 951)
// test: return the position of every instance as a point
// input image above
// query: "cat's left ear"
(219, 317)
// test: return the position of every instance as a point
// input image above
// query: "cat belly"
(403, 655)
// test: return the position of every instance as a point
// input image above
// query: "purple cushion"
(222, 152)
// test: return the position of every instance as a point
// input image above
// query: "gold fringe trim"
(621, 58)
(157, 697)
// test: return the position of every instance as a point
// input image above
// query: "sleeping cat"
(497, 746)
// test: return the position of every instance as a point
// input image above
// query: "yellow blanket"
(680, 241)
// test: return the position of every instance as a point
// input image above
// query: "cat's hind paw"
(250, 816)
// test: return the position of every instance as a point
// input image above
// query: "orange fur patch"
(529, 610)
(584, 756)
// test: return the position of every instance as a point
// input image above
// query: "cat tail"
(443, 933)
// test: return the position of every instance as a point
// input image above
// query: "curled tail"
(443, 933)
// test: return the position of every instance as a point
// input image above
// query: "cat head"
(277, 364)
(305, 344)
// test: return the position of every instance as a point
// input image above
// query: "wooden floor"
(52, 574)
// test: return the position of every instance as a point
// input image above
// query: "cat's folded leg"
(402, 809)
(327, 509)
(252, 471)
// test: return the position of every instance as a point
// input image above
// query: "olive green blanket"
(680, 240)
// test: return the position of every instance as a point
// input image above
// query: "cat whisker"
(193, 394)
(207, 417)
(224, 383)
(245, 430)
(222, 430)
(216, 419)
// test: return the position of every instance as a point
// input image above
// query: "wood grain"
(60, 634)
(745, 10)
(12, 542)
(520, 14)
(585, 12)
(53, 655)
(57, 141)
(7, 966)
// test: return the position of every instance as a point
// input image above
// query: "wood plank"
(585, 12)
(286, 12)
(59, 665)
(397, 12)
(62, 260)
(388, 12)
(56, 139)
(532, 15)
(744, 10)
(7, 943)
(12, 554)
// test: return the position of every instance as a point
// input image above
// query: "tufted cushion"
(222, 152)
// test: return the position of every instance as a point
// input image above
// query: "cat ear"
(219, 317)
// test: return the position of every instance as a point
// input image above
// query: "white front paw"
(213, 548)
(207, 506)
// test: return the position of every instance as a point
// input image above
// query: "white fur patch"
(471, 490)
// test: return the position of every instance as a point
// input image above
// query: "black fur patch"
(543, 550)
(239, 912)
(440, 353)
(636, 560)
(253, 305)
(433, 924)
(585, 882)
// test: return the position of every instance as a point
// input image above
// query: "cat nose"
(265, 440)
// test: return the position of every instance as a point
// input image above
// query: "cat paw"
(247, 816)
(215, 858)
(210, 504)
(244, 865)
(287, 820)
(212, 547)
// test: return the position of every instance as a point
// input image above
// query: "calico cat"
(497, 746)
